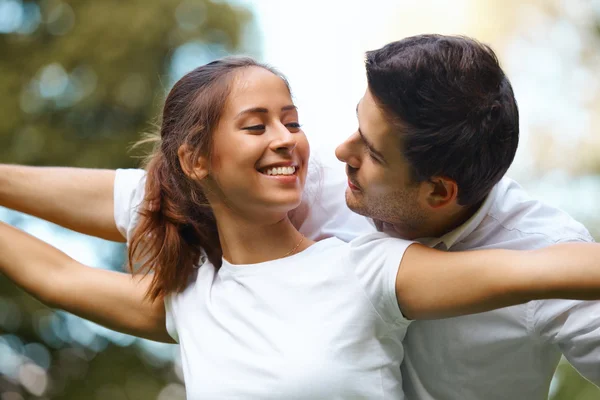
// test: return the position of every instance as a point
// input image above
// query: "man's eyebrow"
(369, 145)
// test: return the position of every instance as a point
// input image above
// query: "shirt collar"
(464, 230)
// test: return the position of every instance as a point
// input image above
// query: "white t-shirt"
(321, 324)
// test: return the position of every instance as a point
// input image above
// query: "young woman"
(268, 313)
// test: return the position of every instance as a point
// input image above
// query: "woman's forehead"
(255, 85)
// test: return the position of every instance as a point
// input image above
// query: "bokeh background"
(80, 80)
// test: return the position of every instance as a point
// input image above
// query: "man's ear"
(194, 168)
(441, 191)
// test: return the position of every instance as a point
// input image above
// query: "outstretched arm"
(115, 300)
(433, 284)
(76, 198)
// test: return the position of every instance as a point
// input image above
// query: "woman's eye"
(293, 125)
(254, 128)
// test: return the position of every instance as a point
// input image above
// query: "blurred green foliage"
(80, 88)
(572, 386)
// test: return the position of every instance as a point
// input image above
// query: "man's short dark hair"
(453, 107)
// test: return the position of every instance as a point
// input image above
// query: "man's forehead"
(371, 110)
(371, 119)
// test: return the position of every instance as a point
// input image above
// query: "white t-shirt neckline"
(237, 269)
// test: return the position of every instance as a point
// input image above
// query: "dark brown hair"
(452, 106)
(177, 225)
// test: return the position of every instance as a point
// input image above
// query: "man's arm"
(76, 198)
(432, 284)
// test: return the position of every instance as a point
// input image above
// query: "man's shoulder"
(516, 217)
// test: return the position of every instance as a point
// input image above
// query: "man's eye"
(293, 125)
(374, 157)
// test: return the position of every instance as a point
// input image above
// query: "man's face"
(379, 179)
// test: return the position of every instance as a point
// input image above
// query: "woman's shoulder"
(377, 251)
(324, 248)
(379, 239)
(365, 248)
(203, 271)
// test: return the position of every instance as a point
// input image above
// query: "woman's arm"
(434, 284)
(115, 300)
(76, 198)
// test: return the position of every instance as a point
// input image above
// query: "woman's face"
(260, 154)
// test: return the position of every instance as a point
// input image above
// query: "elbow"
(50, 295)
(43, 294)
(51, 302)
(54, 289)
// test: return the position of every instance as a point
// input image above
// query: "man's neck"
(436, 227)
(453, 220)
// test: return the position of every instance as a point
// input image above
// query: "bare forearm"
(440, 285)
(30, 263)
(567, 270)
(76, 198)
(115, 300)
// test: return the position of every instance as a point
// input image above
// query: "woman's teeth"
(281, 171)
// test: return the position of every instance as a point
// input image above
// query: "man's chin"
(355, 204)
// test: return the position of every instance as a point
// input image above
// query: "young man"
(438, 129)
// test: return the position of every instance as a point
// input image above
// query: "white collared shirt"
(504, 354)
(448, 240)
(510, 353)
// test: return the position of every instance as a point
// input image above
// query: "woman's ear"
(194, 168)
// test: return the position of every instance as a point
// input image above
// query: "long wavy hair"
(177, 225)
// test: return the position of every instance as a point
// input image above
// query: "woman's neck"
(249, 241)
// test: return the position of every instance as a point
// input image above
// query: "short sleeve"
(181, 308)
(128, 195)
(376, 258)
(170, 317)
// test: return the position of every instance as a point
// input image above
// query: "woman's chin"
(278, 207)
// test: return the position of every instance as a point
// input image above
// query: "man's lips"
(350, 173)
(352, 186)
